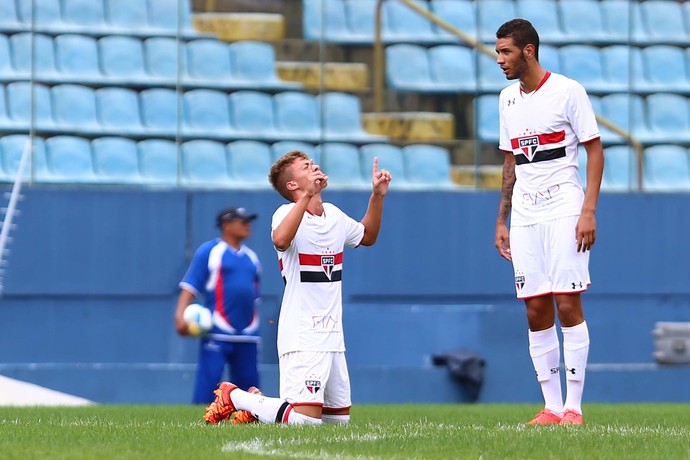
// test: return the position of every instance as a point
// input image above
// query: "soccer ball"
(198, 319)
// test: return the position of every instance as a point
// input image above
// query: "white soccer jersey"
(311, 312)
(543, 129)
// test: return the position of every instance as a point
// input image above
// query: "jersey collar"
(541, 83)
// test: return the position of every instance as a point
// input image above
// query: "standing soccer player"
(543, 116)
(309, 236)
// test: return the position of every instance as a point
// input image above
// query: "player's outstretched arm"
(380, 180)
(502, 234)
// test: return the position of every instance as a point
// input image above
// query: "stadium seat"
(86, 16)
(122, 59)
(162, 59)
(9, 21)
(77, 57)
(668, 118)
(254, 65)
(74, 108)
(209, 61)
(623, 69)
(361, 18)
(41, 52)
(406, 25)
(452, 68)
(626, 111)
(280, 148)
(19, 105)
(69, 159)
(252, 114)
(158, 161)
(342, 118)
(116, 160)
(390, 157)
(407, 68)
(250, 163)
(607, 136)
(159, 110)
(487, 119)
(491, 78)
(297, 116)
(665, 68)
(342, 164)
(206, 112)
(118, 111)
(170, 17)
(584, 64)
(5, 121)
(617, 16)
(12, 147)
(663, 22)
(204, 163)
(666, 168)
(329, 22)
(127, 16)
(582, 167)
(549, 58)
(427, 165)
(6, 69)
(620, 168)
(491, 14)
(583, 21)
(459, 13)
(544, 16)
(44, 15)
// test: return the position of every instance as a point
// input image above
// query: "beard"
(519, 68)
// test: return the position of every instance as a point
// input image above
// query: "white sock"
(333, 418)
(264, 408)
(546, 356)
(575, 351)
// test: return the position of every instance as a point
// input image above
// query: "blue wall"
(91, 285)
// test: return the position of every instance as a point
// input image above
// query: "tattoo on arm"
(506, 191)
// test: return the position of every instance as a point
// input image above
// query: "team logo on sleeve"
(519, 280)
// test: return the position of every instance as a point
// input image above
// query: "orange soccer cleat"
(244, 416)
(572, 417)
(222, 407)
(545, 417)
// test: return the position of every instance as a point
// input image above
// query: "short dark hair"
(279, 176)
(522, 32)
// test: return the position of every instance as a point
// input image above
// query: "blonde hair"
(280, 172)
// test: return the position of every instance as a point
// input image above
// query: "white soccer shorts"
(545, 259)
(315, 378)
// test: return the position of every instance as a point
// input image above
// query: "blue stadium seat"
(452, 68)
(280, 148)
(427, 165)
(491, 14)
(162, 59)
(620, 168)
(390, 157)
(69, 159)
(584, 64)
(668, 117)
(666, 168)
(254, 66)
(159, 110)
(158, 161)
(206, 112)
(74, 108)
(459, 13)
(663, 22)
(549, 58)
(407, 68)
(118, 111)
(627, 111)
(5, 121)
(297, 116)
(342, 164)
(252, 114)
(618, 18)
(583, 21)
(77, 57)
(122, 59)
(491, 78)
(406, 25)
(6, 69)
(19, 106)
(209, 61)
(487, 118)
(250, 163)
(127, 16)
(204, 163)
(44, 15)
(665, 68)
(116, 160)
(41, 52)
(331, 22)
(607, 136)
(582, 167)
(12, 147)
(361, 18)
(623, 68)
(9, 21)
(342, 118)
(86, 16)
(170, 16)
(544, 16)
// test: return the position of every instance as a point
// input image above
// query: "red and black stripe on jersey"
(529, 145)
(325, 264)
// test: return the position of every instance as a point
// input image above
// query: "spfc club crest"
(327, 263)
(519, 281)
(529, 145)
(313, 386)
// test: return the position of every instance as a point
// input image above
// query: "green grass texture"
(463, 431)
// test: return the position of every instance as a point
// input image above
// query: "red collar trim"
(541, 83)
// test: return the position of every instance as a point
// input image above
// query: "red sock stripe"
(286, 415)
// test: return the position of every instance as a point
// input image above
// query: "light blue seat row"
(98, 17)
(206, 163)
(201, 113)
(155, 61)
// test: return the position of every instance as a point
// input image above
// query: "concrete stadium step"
(337, 76)
(411, 126)
(489, 176)
(267, 27)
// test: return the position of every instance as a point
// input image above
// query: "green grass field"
(643, 431)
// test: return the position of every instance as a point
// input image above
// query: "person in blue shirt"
(224, 276)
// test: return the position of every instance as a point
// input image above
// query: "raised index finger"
(376, 165)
